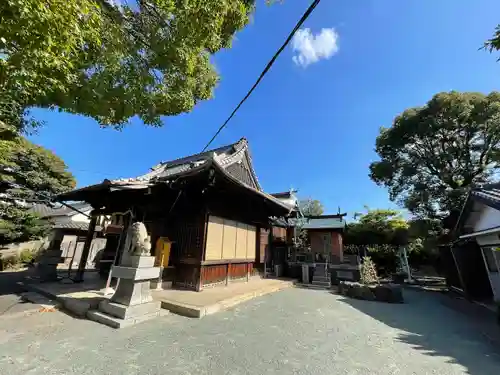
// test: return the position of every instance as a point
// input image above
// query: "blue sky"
(310, 127)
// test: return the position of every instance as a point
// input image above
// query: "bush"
(9, 262)
(27, 256)
(385, 258)
(368, 271)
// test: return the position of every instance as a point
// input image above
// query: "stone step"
(113, 322)
(326, 284)
(313, 286)
(321, 278)
(321, 272)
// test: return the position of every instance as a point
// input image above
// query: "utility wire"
(266, 69)
(259, 79)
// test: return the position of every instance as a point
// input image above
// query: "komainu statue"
(138, 241)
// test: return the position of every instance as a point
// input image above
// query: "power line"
(266, 69)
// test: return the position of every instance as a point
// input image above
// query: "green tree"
(493, 44)
(311, 207)
(27, 172)
(378, 227)
(431, 155)
(148, 58)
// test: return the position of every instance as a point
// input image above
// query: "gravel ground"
(295, 331)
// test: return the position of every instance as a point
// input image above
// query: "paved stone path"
(295, 331)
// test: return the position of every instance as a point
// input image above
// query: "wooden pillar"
(199, 285)
(459, 272)
(86, 249)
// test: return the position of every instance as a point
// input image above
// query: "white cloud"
(310, 48)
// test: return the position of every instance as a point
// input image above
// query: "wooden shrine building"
(209, 205)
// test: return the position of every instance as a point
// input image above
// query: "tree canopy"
(431, 155)
(311, 207)
(27, 172)
(147, 58)
(493, 44)
(378, 227)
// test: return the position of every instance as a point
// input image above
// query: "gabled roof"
(325, 222)
(234, 161)
(321, 222)
(76, 225)
(285, 194)
(289, 198)
(488, 195)
(46, 211)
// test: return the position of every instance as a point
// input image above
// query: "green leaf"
(27, 169)
(150, 59)
(432, 155)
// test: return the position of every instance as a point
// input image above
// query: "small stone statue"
(138, 241)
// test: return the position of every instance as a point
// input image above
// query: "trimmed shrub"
(27, 256)
(9, 262)
(368, 271)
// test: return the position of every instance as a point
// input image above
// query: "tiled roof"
(76, 225)
(44, 210)
(234, 158)
(324, 223)
(321, 222)
(492, 194)
(488, 195)
(285, 194)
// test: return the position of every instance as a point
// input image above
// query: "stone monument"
(47, 266)
(305, 273)
(132, 302)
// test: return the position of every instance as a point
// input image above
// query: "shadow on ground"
(14, 283)
(428, 325)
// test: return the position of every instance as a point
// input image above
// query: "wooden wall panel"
(251, 242)
(215, 236)
(238, 271)
(263, 244)
(229, 239)
(279, 234)
(241, 241)
(213, 274)
(187, 233)
(186, 276)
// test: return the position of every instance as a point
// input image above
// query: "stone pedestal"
(305, 273)
(345, 272)
(277, 270)
(132, 302)
(47, 266)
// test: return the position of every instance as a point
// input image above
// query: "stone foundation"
(390, 293)
(132, 302)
